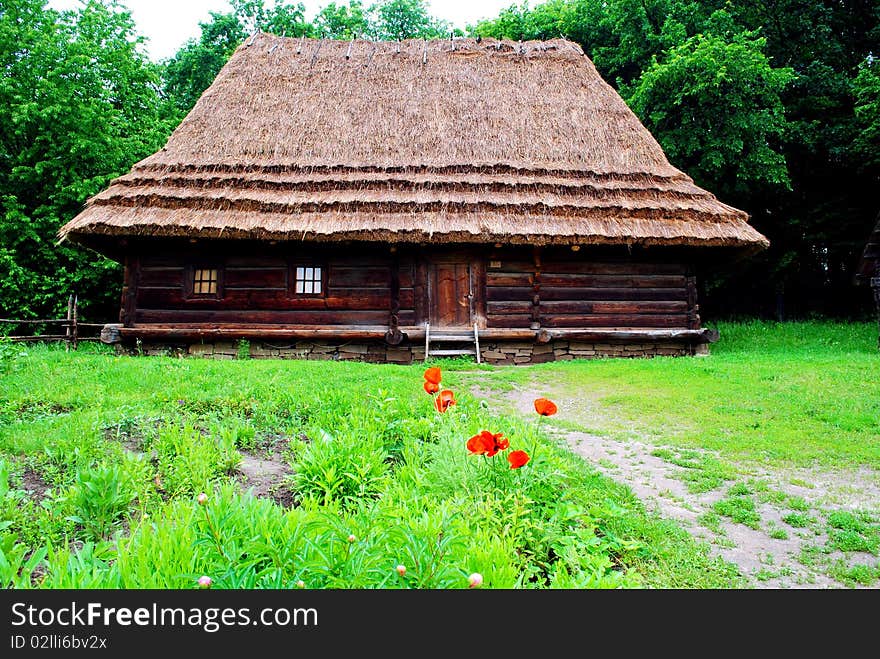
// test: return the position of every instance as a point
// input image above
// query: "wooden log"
(496, 278)
(611, 281)
(406, 275)
(74, 328)
(68, 327)
(536, 290)
(692, 308)
(420, 292)
(508, 320)
(583, 307)
(393, 336)
(358, 277)
(255, 278)
(195, 332)
(586, 267)
(616, 320)
(162, 277)
(262, 300)
(636, 335)
(323, 317)
(552, 293)
(130, 289)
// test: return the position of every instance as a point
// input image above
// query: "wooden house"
(364, 200)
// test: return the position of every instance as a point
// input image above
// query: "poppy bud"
(300, 584)
(202, 499)
(401, 570)
(475, 580)
(205, 582)
(352, 538)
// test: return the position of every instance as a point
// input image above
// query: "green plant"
(797, 520)
(849, 532)
(17, 561)
(340, 469)
(740, 509)
(189, 459)
(243, 349)
(99, 499)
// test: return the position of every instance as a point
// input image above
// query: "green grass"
(790, 394)
(740, 509)
(700, 472)
(798, 520)
(102, 458)
(119, 447)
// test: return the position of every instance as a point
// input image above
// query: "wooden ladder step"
(452, 338)
(449, 353)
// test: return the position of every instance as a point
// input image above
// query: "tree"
(342, 21)
(716, 110)
(193, 68)
(866, 88)
(406, 19)
(79, 104)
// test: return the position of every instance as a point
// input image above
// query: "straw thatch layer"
(419, 141)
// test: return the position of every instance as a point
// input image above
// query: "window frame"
(190, 292)
(302, 263)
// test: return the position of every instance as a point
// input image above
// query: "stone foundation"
(499, 352)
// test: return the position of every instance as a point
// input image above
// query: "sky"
(167, 24)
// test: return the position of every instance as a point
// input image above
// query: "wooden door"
(450, 294)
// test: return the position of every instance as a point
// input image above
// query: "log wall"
(373, 286)
(562, 290)
(258, 289)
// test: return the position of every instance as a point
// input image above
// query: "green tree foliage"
(193, 68)
(715, 106)
(79, 104)
(342, 21)
(406, 19)
(866, 87)
(283, 18)
(821, 143)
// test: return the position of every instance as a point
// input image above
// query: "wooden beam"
(410, 332)
(536, 289)
(693, 309)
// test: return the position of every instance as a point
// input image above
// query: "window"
(205, 281)
(309, 280)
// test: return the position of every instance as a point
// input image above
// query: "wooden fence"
(71, 327)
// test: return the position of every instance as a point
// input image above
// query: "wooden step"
(450, 353)
(450, 338)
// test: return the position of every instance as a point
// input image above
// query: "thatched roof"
(437, 141)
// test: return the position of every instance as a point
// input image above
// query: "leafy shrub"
(189, 460)
(341, 469)
(99, 498)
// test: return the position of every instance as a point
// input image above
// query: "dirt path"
(773, 555)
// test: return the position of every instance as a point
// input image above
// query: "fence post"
(68, 327)
(75, 326)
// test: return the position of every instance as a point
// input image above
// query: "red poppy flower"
(517, 459)
(444, 400)
(481, 444)
(432, 387)
(433, 374)
(545, 407)
(487, 443)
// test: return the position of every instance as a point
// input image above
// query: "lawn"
(344, 475)
(785, 394)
